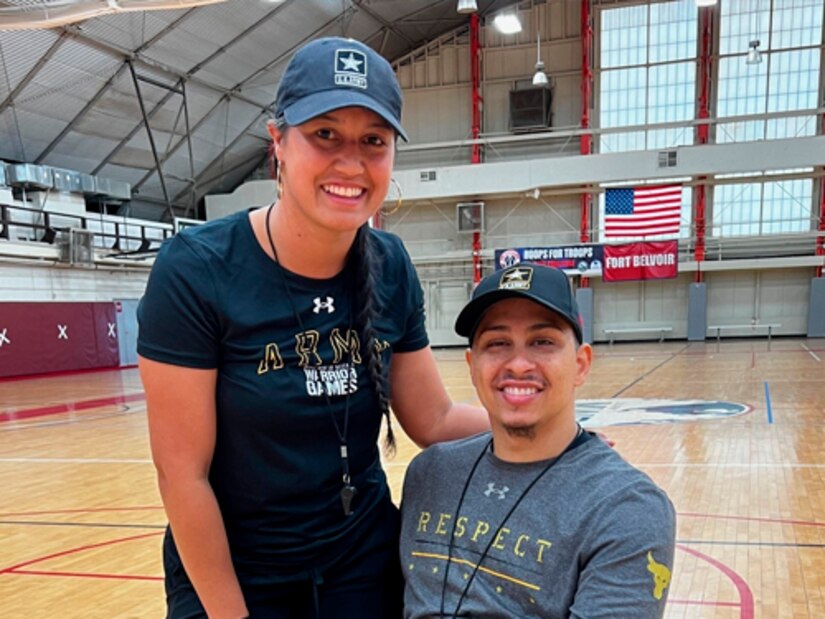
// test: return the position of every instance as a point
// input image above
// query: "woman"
(271, 344)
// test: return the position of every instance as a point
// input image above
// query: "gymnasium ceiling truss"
(94, 95)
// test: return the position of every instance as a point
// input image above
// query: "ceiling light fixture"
(539, 77)
(703, 3)
(507, 23)
(467, 7)
(754, 56)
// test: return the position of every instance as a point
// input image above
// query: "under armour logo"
(323, 305)
(499, 492)
(3, 338)
(63, 332)
(111, 329)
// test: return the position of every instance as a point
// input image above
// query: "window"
(767, 207)
(648, 74)
(789, 34)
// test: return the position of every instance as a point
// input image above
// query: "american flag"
(642, 211)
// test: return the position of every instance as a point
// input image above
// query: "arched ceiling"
(68, 95)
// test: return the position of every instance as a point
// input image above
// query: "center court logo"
(633, 411)
(350, 68)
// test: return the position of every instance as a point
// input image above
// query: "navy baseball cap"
(330, 73)
(546, 286)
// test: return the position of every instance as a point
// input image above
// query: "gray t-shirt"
(594, 537)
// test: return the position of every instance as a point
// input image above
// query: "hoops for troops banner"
(586, 259)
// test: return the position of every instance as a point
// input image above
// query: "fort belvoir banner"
(637, 261)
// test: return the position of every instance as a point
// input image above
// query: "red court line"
(746, 604)
(83, 575)
(58, 373)
(63, 553)
(804, 523)
(56, 409)
(49, 512)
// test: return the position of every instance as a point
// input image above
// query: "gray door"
(127, 330)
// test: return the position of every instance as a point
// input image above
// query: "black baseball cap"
(546, 286)
(330, 73)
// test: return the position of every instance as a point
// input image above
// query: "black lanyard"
(348, 491)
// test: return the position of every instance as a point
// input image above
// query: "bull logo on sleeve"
(661, 576)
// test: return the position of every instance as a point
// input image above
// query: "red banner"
(635, 261)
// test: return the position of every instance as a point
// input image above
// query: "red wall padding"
(36, 338)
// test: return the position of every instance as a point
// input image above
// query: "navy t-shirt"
(215, 299)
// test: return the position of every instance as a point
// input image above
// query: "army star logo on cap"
(519, 278)
(350, 68)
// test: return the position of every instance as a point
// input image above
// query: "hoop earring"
(279, 180)
(388, 212)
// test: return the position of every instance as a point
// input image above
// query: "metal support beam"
(385, 37)
(215, 161)
(189, 146)
(702, 131)
(475, 101)
(257, 157)
(286, 55)
(159, 84)
(384, 22)
(133, 132)
(73, 122)
(9, 100)
(124, 54)
(93, 101)
(166, 30)
(151, 140)
(180, 142)
(222, 50)
(820, 239)
(586, 140)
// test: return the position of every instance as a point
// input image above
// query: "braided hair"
(365, 266)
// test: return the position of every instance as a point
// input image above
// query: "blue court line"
(768, 401)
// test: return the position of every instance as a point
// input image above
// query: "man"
(537, 518)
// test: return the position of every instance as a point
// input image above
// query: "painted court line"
(85, 575)
(69, 407)
(810, 352)
(746, 603)
(18, 567)
(85, 510)
(91, 525)
(725, 465)
(650, 371)
(64, 422)
(78, 460)
(802, 523)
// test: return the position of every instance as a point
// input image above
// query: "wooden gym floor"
(81, 522)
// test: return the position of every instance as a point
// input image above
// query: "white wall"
(42, 283)
(247, 195)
